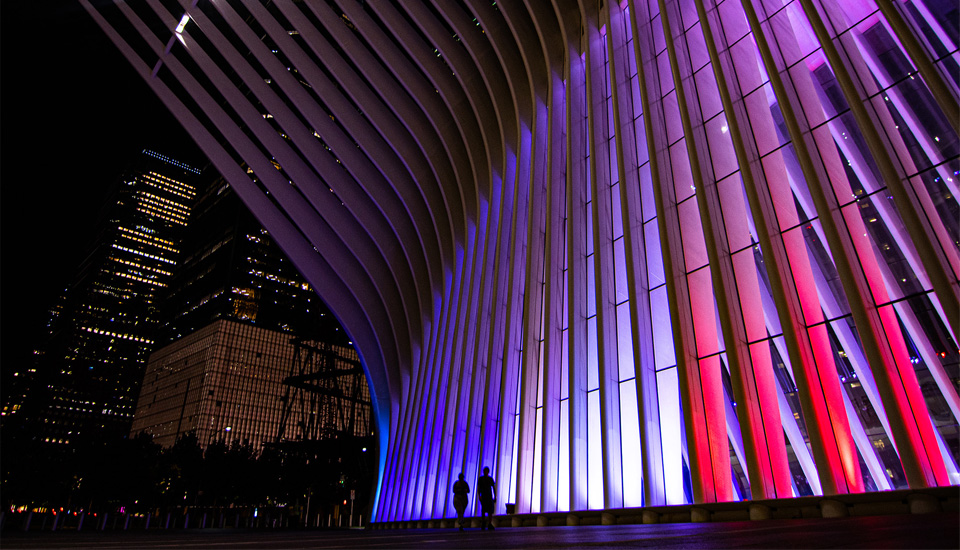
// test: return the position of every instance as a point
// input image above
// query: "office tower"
(226, 382)
(233, 315)
(89, 368)
(717, 235)
(232, 268)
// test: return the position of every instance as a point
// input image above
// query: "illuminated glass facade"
(622, 253)
(89, 369)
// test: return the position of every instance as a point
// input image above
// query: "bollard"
(26, 525)
(760, 512)
(103, 526)
(361, 521)
(699, 515)
(923, 504)
(833, 509)
(186, 520)
(80, 523)
(203, 521)
(649, 516)
(56, 518)
(147, 526)
(573, 520)
(166, 524)
(126, 521)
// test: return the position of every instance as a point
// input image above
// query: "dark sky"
(72, 114)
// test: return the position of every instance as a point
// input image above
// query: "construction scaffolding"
(325, 395)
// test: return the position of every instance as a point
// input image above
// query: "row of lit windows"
(174, 208)
(149, 239)
(167, 185)
(167, 182)
(272, 277)
(199, 304)
(161, 187)
(149, 244)
(115, 335)
(154, 211)
(138, 266)
(139, 279)
(157, 199)
(144, 254)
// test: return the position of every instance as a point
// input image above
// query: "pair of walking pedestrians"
(486, 492)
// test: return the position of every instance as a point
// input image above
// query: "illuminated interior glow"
(552, 253)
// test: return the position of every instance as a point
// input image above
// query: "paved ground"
(926, 531)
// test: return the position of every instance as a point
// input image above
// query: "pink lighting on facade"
(650, 253)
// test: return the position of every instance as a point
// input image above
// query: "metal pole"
(306, 515)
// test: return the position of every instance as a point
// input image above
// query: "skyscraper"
(231, 315)
(88, 370)
(233, 268)
(721, 236)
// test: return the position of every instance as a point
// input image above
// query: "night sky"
(73, 113)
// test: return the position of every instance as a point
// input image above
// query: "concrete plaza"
(941, 530)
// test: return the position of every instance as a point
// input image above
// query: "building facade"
(87, 375)
(233, 268)
(622, 253)
(225, 382)
(231, 315)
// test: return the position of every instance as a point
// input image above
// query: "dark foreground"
(901, 531)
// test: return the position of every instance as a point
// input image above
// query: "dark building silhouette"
(233, 269)
(233, 311)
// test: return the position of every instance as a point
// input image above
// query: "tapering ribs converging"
(622, 253)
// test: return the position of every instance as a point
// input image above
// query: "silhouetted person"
(460, 490)
(487, 491)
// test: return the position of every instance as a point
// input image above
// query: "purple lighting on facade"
(649, 253)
